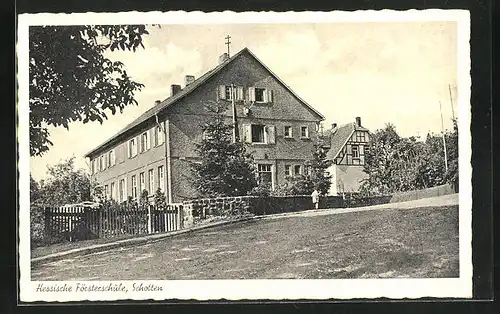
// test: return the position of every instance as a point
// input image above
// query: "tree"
(396, 164)
(226, 169)
(379, 161)
(72, 80)
(65, 184)
(318, 174)
(35, 193)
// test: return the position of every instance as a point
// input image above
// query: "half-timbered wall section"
(353, 152)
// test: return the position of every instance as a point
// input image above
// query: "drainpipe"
(169, 167)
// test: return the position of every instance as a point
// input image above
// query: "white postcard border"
(255, 289)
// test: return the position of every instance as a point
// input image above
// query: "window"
(265, 174)
(92, 166)
(225, 92)
(296, 170)
(113, 196)
(132, 148)
(288, 170)
(228, 92)
(145, 144)
(151, 177)
(304, 132)
(288, 131)
(360, 136)
(142, 183)
(257, 133)
(158, 135)
(355, 151)
(259, 94)
(111, 158)
(161, 178)
(134, 187)
(122, 193)
(106, 191)
(102, 162)
(366, 150)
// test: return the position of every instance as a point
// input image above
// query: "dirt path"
(359, 244)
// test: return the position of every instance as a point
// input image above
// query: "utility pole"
(451, 102)
(452, 110)
(444, 141)
(228, 43)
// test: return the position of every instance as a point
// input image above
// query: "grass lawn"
(392, 243)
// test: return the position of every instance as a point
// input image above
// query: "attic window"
(259, 94)
(304, 132)
(229, 94)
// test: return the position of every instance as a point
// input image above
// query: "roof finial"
(228, 43)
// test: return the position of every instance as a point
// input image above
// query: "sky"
(384, 72)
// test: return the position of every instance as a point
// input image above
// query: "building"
(348, 145)
(156, 149)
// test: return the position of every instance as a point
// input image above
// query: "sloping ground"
(412, 243)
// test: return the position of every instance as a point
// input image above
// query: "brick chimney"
(223, 58)
(174, 89)
(189, 79)
(334, 128)
(358, 121)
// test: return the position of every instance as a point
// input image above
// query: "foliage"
(144, 198)
(316, 177)
(396, 164)
(295, 185)
(64, 185)
(226, 169)
(160, 199)
(318, 174)
(72, 80)
(263, 189)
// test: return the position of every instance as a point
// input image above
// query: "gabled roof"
(340, 137)
(150, 113)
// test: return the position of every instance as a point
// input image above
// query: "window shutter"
(148, 138)
(251, 93)
(269, 95)
(129, 150)
(222, 92)
(248, 133)
(239, 93)
(271, 134)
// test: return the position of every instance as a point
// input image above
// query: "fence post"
(149, 219)
(179, 215)
(70, 225)
(165, 213)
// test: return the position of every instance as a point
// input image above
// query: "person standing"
(315, 198)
